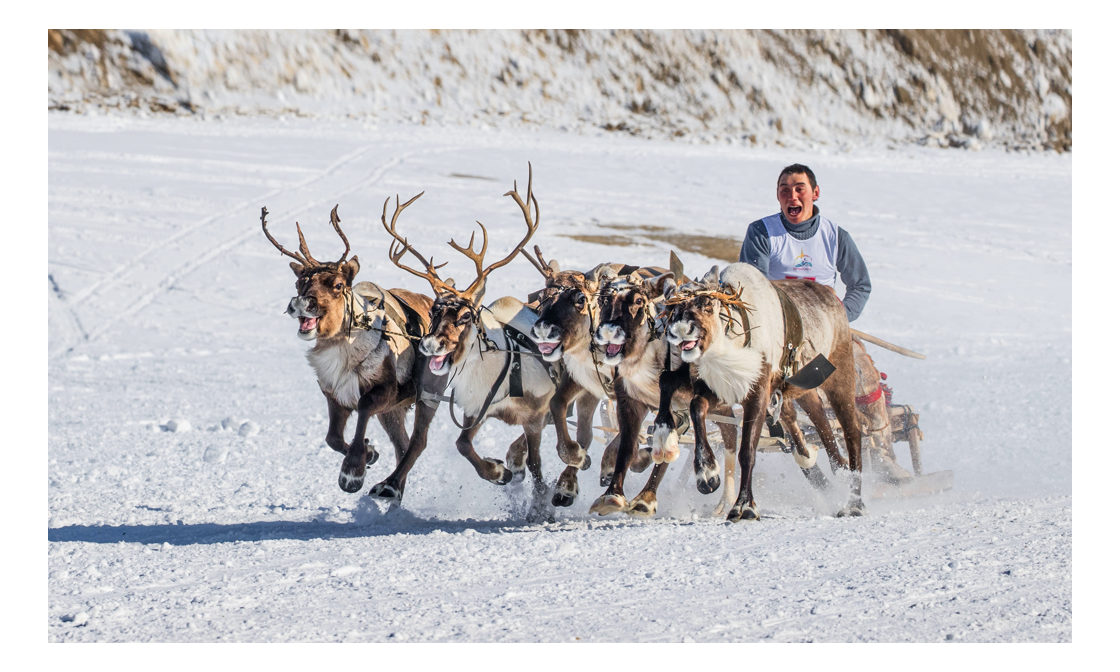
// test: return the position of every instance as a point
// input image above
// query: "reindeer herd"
(648, 338)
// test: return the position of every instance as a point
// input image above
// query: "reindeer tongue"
(308, 323)
(614, 348)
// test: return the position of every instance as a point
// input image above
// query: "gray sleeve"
(854, 274)
(756, 247)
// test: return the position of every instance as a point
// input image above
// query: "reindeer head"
(455, 313)
(694, 315)
(323, 288)
(568, 309)
(627, 314)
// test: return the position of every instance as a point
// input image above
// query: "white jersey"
(812, 259)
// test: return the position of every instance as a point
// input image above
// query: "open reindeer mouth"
(688, 345)
(436, 363)
(613, 349)
(307, 324)
(547, 348)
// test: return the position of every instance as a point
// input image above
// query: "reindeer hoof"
(608, 504)
(586, 462)
(563, 499)
(371, 455)
(641, 508)
(386, 491)
(854, 508)
(504, 476)
(707, 486)
(642, 459)
(518, 476)
(605, 479)
(350, 483)
(743, 512)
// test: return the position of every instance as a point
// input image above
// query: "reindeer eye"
(338, 286)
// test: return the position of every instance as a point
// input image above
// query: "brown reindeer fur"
(740, 372)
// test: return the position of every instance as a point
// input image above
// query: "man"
(798, 242)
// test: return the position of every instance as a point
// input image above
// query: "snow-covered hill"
(800, 89)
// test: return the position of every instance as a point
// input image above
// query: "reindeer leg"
(539, 509)
(730, 436)
(804, 454)
(644, 504)
(571, 453)
(703, 460)
(811, 402)
(610, 456)
(487, 469)
(392, 422)
(843, 404)
(630, 414)
(754, 415)
(665, 437)
(353, 472)
(567, 485)
(392, 488)
(515, 458)
(338, 418)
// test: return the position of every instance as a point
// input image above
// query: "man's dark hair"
(796, 168)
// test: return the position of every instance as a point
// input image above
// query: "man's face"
(796, 197)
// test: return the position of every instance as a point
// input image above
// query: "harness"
(516, 344)
(408, 325)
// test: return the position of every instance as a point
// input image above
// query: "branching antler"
(334, 222)
(469, 252)
(400, 245)
(304, 257)
(480, 280)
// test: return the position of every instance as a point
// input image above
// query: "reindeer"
(569, 315)
(748, 366)
(633, 342)
(363, 355)
(459, 346)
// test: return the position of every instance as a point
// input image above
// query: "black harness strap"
(489, 397)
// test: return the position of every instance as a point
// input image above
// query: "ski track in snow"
(166, 303)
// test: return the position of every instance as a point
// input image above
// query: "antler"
(334, 222)
(306, 259)
(469, 252)
(400, 245)
(543, 268)
(480, 281)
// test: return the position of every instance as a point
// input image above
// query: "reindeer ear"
(554, 265)
(634, 278)
(661, 286)
(711, 277)
(602, 271)
(296, 267)
(350, 269)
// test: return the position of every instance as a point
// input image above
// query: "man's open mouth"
(436, 363)
(306, 324)
(547, 348)
(613, 349)
(793, 211)
(688, 345)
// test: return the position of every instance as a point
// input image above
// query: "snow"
(746, 87)
(166, 311)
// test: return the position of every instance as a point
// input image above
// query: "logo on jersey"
(804, 262)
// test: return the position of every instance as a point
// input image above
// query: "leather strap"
(793, 332)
